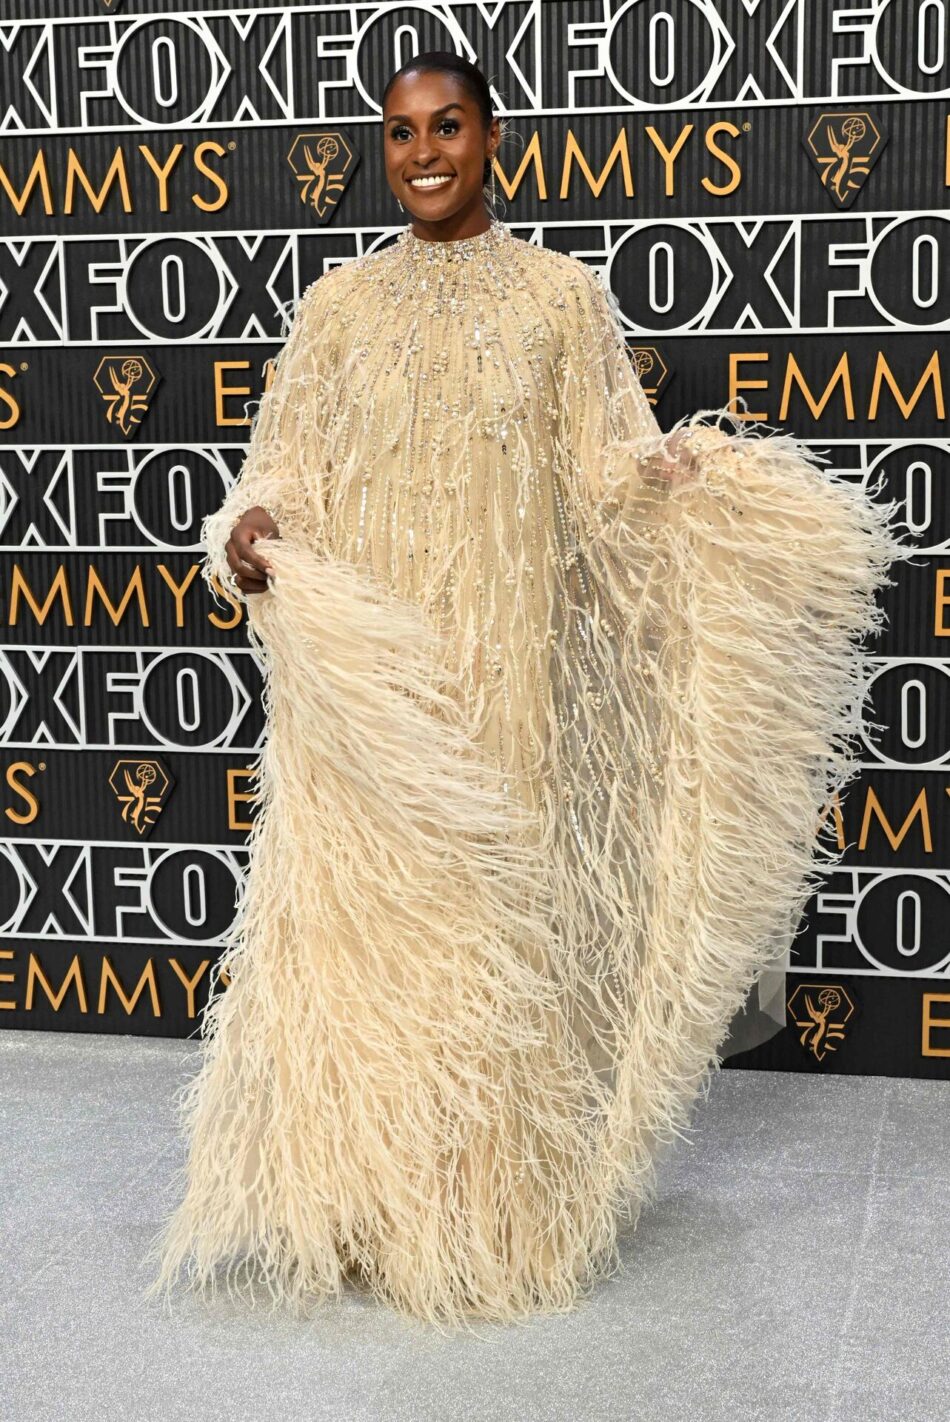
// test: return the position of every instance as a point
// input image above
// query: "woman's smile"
(432, 182)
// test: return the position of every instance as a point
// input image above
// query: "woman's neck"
(455, 228)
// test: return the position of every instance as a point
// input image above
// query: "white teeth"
(435, 182)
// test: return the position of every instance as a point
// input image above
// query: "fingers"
(684, 466)
(678, 444)
(248, 579)
(249, 576)
(249, 555)
(244, 560)
(250, 585)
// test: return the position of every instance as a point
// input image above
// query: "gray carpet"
(797, 1265)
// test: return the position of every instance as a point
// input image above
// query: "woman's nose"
(425, 150)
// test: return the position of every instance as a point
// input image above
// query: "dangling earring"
(492, 196)
(401, 208)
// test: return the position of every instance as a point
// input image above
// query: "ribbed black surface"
(735, 261)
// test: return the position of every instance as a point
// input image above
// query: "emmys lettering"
(81, 987)
(58, 183)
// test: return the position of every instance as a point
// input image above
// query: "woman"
(554, 704)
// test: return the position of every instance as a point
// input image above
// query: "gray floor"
(797, 1265)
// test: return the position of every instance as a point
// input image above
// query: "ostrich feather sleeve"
(286, 462)
(749, 584)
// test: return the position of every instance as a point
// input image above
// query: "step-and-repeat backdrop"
(764, 188)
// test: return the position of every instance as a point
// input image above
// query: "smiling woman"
(439, 152)
(553, 713)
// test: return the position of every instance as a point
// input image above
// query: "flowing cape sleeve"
(747, 583)
(287, 459)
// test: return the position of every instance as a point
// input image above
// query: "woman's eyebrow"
(436, 113)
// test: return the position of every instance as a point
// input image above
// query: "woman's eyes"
(445, 125)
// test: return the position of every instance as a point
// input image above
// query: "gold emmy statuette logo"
(126, 383)
(821, 1012)
(652, 370)
(323, 164)
(844, 148)
(141, 788)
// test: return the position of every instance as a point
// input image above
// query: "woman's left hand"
(683, 464)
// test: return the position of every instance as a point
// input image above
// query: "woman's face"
(433, 131)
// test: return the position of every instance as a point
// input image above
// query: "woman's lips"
(430, 187)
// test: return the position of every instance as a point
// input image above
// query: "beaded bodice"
(443, 396)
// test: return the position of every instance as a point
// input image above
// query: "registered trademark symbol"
(42, 765)
(24, 365)
(232, 145)
(746, 126)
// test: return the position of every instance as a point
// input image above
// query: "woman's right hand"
(250, 568)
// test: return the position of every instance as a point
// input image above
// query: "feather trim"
(464, 1019)
(388, 1083)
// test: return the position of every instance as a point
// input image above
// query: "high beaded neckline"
(460, 249)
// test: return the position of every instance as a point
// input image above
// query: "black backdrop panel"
(156, 229)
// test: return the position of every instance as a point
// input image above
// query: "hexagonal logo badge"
(821, 1012)
(323, 164)
(844, 148)
(652, 370)
(141, 786)
(126, 383)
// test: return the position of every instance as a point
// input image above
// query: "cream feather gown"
(549, 738)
